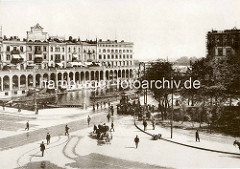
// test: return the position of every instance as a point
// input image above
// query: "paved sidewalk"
(13, 122)
(207, 141)
(82, 151)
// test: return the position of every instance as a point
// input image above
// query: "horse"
(237, 143)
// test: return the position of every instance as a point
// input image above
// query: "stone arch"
(127, 73)
(82, 76)
(87, 75)
(15, 82)
(119, 74)
(131, 73)
(23, 80)
(101, 75)
(65, 76)
(123, 73)
(59, 76)
(71, 76)
(53, 77)
(111, 75)
(77, 77)
(38, 80)
(30, 80)
(115, 74)
(97, 75)
(6, 83)
(92, 75)
(107, 75)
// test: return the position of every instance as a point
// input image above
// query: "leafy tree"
(158, 71)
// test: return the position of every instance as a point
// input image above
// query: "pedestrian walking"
(3, 105)
(153, 124)
(93, 106)
(19, 108)
(197, 136)
(108, 117)
(48, 137)
(136, 140)
(145, 125)
(66, 130)
(27, 126)
(112, 127)
(112, 110)
(42, 148)
(88, 120)
(104, 104)
(97, 105)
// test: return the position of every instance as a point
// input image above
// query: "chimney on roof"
(70, 38)
(100, 40)
(115, 41)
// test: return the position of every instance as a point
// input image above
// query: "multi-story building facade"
(115, 54)
(223, 43)
(26, 63)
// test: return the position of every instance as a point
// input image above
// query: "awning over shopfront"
(16, 56)
(59, 64)
(76, 64)
(88, 63)
(75, 55)
(31, 65)
(38, 56)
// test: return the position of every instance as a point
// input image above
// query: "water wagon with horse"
(102, 134)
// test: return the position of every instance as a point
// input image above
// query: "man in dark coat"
(145, 125)
(93, 106)
(42, 148)
(153, 124)
(136, 140)
(112, 127)
(108, 117)
(66, 130)
(88, 120)
(97, 105)
(27, 126)
(48, 137)
(197, 136)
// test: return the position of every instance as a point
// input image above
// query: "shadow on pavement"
(40, 165)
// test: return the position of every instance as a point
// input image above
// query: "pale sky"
(158, 28)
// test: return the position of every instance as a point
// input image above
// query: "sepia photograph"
(119, 84)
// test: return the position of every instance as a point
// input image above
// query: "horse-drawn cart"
(102, 134)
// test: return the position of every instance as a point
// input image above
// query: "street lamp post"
(35, 102)
(172, 116)
(35, 99)
(172, 111)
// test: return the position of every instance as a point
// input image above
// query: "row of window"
(14, 48)
(44, 49)
(116, 57)
(220, 51)
(119, 63)
(109, 45)
(116, 51)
